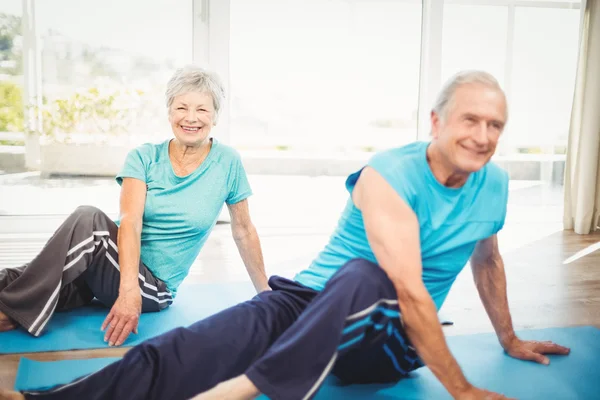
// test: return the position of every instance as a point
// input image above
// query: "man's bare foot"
(10, 395)
(6, 324)
(239, 388)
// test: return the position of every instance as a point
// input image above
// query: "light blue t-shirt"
(180, 212)
(451, 220)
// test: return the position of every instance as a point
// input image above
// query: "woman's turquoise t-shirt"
(180, 212)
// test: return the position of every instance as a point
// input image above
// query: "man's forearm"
(490, 280)
(129, 255)
(248, 244)
(423, 328)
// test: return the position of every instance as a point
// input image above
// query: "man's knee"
(364, 274)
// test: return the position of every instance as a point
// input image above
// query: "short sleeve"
(134, 167)
(503, 195)
(397, 175)
(239, 187)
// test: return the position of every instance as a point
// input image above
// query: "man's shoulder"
(411, 154)
(408, 151)
(401, 165)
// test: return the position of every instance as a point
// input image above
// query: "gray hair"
(445, 97)
(191, 78)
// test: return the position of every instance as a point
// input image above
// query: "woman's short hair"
(192, 78)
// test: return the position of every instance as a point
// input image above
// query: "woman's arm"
(124, 315)
(133, 198)
(248, 244)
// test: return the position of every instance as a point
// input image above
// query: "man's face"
(469, 133)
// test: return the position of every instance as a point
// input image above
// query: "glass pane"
(11, 69)
(543, 79)
(474, 37)
(324, 75)
(105, 65)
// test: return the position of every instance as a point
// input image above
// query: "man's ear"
(436, 121)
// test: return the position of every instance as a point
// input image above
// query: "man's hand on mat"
(123, 318)
(533, 350)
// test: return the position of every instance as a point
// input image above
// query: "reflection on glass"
(105, 66)
(324, 75)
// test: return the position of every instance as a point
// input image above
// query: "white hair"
(191, 78)
(446, 96)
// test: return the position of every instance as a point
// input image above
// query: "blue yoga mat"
(80, 328)
(575, 376)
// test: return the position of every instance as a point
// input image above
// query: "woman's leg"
(188, 360)
(78, 263)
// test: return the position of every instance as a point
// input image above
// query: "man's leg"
(358, 309)
(189, 360)
(79, 261)
(386, 355)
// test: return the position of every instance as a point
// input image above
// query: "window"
(474, 37)
(105, 66)
(544, 66)
(326, 76)
(11, 69)
(532, 50)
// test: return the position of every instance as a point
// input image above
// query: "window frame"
(211, 47)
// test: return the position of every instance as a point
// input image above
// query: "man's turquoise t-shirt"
(451, 220)
(180, 212)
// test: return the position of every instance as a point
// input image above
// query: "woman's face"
(192, 116)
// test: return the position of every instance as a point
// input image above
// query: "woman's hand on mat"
(531, 350)
(474, 393)
(123, 318)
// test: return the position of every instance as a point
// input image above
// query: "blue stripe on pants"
(382, 318)
(343, 331)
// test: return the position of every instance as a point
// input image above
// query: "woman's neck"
(183, 153)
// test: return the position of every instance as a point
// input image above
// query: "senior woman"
(171, 196)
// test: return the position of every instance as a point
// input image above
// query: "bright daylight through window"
(319, 77)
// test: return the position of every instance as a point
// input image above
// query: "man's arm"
(248, 244)
(490, 280)
(393, 233)
(124, 315)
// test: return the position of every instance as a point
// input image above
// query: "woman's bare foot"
(10, 395)
(6, 324)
